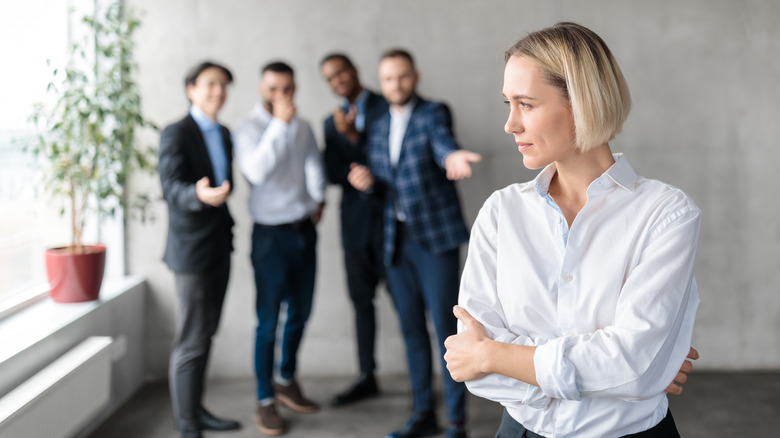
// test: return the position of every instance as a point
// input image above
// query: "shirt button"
(568, 278)
(569, 334)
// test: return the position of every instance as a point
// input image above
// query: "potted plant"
(86, 143)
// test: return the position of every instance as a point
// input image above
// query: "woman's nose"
(513, 124)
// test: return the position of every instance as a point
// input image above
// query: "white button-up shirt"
(609, 304)
(283, 164)
(399, 120)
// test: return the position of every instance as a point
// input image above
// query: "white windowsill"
(29, 326)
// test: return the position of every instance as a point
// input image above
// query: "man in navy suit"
(361, 213)
(413, 155)
(196, 177)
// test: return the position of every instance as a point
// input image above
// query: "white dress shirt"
(610, 303)
(283, 165)
(399, 120)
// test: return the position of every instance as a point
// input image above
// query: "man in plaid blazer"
(414, 157)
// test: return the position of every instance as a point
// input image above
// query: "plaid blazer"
(418, 184)
(361, 213)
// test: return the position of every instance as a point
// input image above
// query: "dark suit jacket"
(419, 185)
(199, 236)
(360, 212)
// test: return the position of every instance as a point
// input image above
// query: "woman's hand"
(682, 376)
(464, 356)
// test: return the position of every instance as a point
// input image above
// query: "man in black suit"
(361, 213)
(196, 177)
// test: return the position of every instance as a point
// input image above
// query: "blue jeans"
(284, 260)
(420, 281)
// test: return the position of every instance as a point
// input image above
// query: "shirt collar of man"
(203, 121)
(360, 108)
(360, 101)
(621, 173)
(404, 112)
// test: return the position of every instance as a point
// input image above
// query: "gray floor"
(712, 405)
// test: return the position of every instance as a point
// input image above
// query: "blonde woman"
(578, 299)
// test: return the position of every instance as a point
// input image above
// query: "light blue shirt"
(360, 106)
(215, 145)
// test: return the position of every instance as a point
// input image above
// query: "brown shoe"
(291, 397)
(269, 421)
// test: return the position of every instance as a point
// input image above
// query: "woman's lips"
(522, 147)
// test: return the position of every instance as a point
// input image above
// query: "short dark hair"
(277, 67)
(337, 55)
(398, 53)
(194, 72)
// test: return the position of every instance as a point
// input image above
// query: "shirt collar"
(203, 121)
(621, 173)
(360, 102)
(406, 110)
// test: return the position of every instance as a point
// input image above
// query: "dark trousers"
(200, 297)
(365, 269)
(284, 260)
(420, 281)
(511, 428)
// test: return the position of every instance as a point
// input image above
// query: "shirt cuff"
(555, 374)
(444, 159)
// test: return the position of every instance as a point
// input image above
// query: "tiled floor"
(712, 405)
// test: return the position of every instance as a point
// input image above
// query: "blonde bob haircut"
(578, 62)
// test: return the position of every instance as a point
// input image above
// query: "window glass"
(33, 32)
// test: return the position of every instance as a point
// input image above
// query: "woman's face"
(540, 118)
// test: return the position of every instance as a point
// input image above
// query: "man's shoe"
(191, 434)
(455, 431)
(269, 421)
(421, 424)
(365, 387)
(207, 421)
(292, 397)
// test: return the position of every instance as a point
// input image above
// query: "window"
(33, 32)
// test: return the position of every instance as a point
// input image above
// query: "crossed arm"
(471, 354)
(630, 357)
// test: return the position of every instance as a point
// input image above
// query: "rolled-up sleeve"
(478, 295)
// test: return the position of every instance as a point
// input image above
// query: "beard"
(402, 101)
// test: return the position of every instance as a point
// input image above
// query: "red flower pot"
(75, 277)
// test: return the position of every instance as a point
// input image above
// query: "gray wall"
(704, 78)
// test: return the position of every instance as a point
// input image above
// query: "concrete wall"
(703, 75)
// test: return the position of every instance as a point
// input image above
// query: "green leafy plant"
(86, 139)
